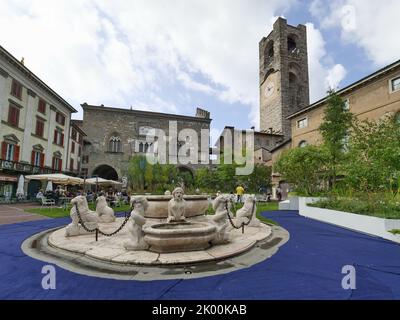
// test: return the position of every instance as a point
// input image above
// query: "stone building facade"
(284, 84)
(34, 126)
(115, 135)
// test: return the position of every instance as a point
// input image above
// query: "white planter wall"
(366, 224)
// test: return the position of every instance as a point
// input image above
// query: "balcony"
(24, 168)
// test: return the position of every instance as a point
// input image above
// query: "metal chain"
(243, 223)
(97, 230)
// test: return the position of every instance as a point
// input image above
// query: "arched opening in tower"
(291, 44)
(106, 172)
(293, 91)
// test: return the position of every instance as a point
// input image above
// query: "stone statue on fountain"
(89, 218)
(176, 206)
(135, 225)
(220, 219)
(105, 213)
(247, 214)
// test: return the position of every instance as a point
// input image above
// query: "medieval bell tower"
(284, 86)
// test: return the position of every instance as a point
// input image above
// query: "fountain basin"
(179, 236)
(196, 205)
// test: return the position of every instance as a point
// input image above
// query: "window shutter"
(33, 158)
(53, 162)
(16, 154)
(62, 139)
(16, 116)
(55, 136)
(60, 166)
(42, 160)
(4, 150)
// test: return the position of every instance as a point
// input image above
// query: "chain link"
(97, 230)
(230, 218)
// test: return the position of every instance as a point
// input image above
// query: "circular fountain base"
(179, 236)
(111, 249)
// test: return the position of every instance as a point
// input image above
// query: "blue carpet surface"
(308, 266)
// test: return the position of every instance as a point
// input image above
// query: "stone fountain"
(160, 231)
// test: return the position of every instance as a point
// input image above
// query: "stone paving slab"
(112, 248)
(14, 213)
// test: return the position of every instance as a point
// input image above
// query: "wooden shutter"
(62, 139)
(60, 166)
(55, 136)
(42, 160)
(33, 158)
(3, 150)
(53, 162)
(16, 153)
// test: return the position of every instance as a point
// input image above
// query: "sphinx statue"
(248, 213)
(105, 213)
(135, 225)
(176, 206)
(220, 219)
(89, 218)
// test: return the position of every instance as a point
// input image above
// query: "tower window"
(291, 44)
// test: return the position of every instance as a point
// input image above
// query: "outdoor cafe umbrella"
(49, 186)
(20, 189)
(57, 178)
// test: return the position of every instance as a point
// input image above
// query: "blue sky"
(173, 56)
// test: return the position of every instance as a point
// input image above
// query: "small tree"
(374, 156)
(304, 168)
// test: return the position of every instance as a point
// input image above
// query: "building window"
(58, 138)
(39, 128)
(37, 158)
(115, 144)
(13, 115)
(303, 144)
(85, 159)
(71, 165)
(302, 123)
(141, 147)
(79, 151)
(42, 106)
(73, 147)
(60, 118)
(85, 172)
(73, 134)
(395, 84)
(346, 104)
(57, 163)
(10, 151)
(16, 89)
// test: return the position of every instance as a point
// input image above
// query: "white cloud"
(123, 53)
(368, 24)
(323, 76)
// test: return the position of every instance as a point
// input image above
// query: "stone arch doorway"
(106, 172)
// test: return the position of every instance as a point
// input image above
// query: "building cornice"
(142, 113)
(31, 76)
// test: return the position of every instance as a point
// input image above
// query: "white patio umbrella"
(99, 181)
(57, 178)
(49, 186)
(20, 188)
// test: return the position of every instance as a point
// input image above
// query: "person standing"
(239, 193)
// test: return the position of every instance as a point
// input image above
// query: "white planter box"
(291, 204)
(366, 224)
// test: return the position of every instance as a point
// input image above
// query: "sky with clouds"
(173, 56)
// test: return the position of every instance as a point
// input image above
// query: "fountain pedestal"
(179, 236)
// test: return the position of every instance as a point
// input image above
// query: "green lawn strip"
(55, 212)
(395, 231)
(378, 209)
